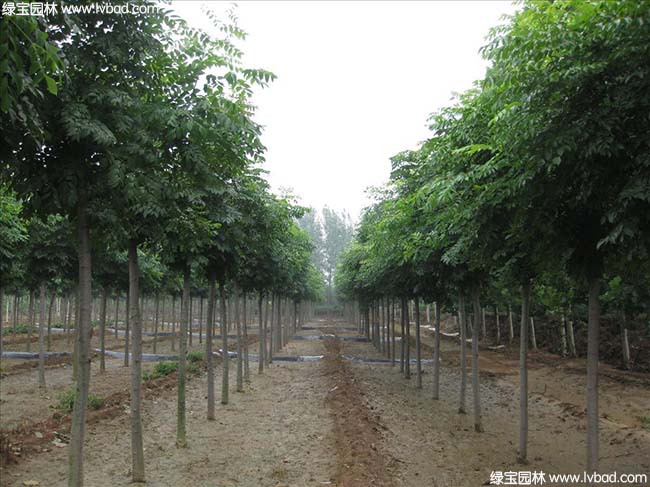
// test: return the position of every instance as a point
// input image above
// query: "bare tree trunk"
(266, 330)
(523, 374)
(117, 311)
(173, 323)
(78, 426)
(475, 366)
(31, 318)
(407, 346)
(240, 348)
(572, 341)
(49, 322)
(208, 343)
(155, 322)
(483, 325)
(127, 327)
(102, 329)
(190, 320)
(201, 319)
(463, 352)
(563, 334)
(498, 324)
(186, 304)
(224, 344)
(511, 328)
(418, 356)
(392, 333)
(402, 342)
(533, 340)
(272, 329)
(436, 352)
(593, 332)
(247, 372)
(41, 337)
(135, 321)
(261, 345)
(625, 343)
(2, 295)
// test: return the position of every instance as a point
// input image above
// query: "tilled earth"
(331, 422)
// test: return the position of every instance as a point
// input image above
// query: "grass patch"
(195, 357)
(66, 401)
(163, 369)
(645, 422)
(10, 330)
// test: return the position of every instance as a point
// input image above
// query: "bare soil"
(332, 422)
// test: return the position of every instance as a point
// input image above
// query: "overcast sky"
(356, 83)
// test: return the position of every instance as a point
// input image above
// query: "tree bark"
(392, 334)
(135, 322)
(483, 325)
(224, 345)
(201, 320)
(186, 304)
(208, 343)
(30, 319)
(271, 329)
(41, 337)
(498, 324)
(156, 322)
(523, 374)
(533, 339)
(625, 343)
(563, 335)
(102, 329)
(173, 323)
(117, 312)
(436, 353)
(593, 332)
(49, 322)
(261, 345)
(572, 341)
(78, 426)
(476, 296)
(240, 361)
(418, 356)
(463, 352)
(247, 373)
(127, 326)
(407, 346)
(511, 328)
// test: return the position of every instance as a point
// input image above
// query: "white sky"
(356, 83)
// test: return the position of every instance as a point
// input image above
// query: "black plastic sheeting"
(326, 336)
(34, 355)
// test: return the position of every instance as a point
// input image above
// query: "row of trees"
(534, 184)
(128, 142)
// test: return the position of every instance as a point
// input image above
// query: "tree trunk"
(261, 345)
(436, 353)
(127, 326)
(31, 318)
(271, 330)
(593, 332)
(240, 348)
(208, 342)
(201, 320)
(498, 324)
(625, 343)
(2, 295)
(102, 329)
(572, 341)
(563, 335)
(475, 374)
(78, 426)
(156, 322)
(224, 345)
(418, 356)
(402, 344)
(186, 304)
(173, 323)
(41, 337)
(523, 374)
(117, 312)
(135, 322)
(407, 346)
(483, 325)
(247, 372)
(511, 328)
(392, 334)
(190, 320)
(462, 320)
(266, 330)
(49, 322)
(533, 340)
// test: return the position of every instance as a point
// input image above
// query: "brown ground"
(342, 423)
